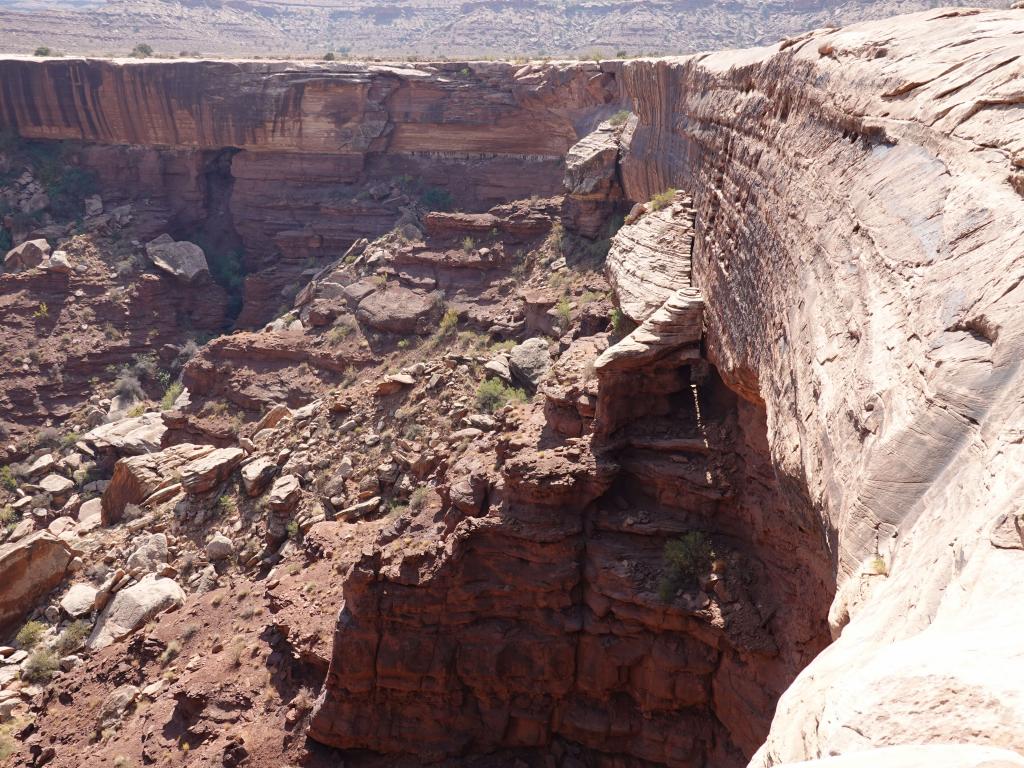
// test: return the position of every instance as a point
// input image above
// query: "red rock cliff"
(859, 244)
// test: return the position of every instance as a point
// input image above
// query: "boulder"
(28, 255)
(134, 606)
(41, 466)
(137, 477)
(205, 473)
(219, 548)
(183, 259)
(150, 553)
(29, 569)
(79, 600)
(116, 706)
(400, 310)
(57, 486)
(128, 437)
(285, 493)
(58, 262)
(529, 361)
(257, 474)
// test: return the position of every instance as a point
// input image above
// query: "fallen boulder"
(183, 259)
(28, 570)
(136, 477)
(28, 255)
(134, 606)
(400, 310)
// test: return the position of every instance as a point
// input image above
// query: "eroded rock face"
(858, 248)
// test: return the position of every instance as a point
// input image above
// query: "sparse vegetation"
(128, 386)
(418, 498)
(42, 50)
(170, 653)
(468, 244)
(227, 505)
(686, 559)
(329, 56)
(449, 322)
(142, 51)
(662, 199)
(172, 393)
(493, 394)
(620, 117)
(437, 199)
(72, 637)
(341, 330)
(7, 479)
(40, 666)
(42, 311)
(30, 634)
(564, 310)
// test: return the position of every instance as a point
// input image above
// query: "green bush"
(686, 559)
(492, 394)
(7, 479)
(662, 199)
(468, 244)
(170, 395)
(437, 199)
(72, 637)
(42, 50)
(30, 634)
(142, 51)
(620, 117)
(449, 322)
(40, 666)
(564, 310)
(329, 56)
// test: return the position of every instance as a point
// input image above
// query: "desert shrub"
(686, 559)
(329, 56)
(7, 515)
(564, 311)
(620, 117)
(128, 386)
(172, 393)
(142, 51)
(30, 634)
(449, 322)
(40, 666)
(492, 394)
(69, 190)
(468, 244)
(662, 199)
(42, 311)
(170, 652)
(47, 437)
(437, 199)
(72, 637)
(5, 241)
(7, 479)
(42, 50)
(418, 498)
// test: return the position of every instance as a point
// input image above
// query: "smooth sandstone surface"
(861, 250)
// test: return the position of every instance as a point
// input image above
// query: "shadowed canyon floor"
(656, 412)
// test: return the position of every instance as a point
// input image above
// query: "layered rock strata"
(296, 163)
(859, 249)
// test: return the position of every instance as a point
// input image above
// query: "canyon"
(613, 413)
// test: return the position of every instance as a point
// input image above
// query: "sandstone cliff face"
(295, 163)
(859, 246)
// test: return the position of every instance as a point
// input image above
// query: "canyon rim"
(619, 412)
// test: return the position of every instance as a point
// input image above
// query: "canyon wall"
(295, 163)
(860, 246)
(852, 450)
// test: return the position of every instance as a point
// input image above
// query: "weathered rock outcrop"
(859, 248)
(28, 570)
